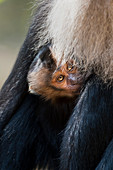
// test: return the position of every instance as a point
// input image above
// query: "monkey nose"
(75, 79)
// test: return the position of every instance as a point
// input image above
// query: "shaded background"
(15, 18)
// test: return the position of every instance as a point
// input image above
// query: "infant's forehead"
(68, 62)
(72, 62)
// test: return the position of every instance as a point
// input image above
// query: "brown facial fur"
(46, 82)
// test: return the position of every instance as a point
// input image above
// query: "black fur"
(33, 135)
(107, 160)
(90, 128)
(15, 88)
(32, 130)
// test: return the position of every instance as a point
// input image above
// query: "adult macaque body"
(35, 133)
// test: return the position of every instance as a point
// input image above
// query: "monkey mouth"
(74, 89)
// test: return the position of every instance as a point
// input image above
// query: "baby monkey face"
(52, 82)
(68, 78)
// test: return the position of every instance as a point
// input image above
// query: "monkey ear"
(43, 53)
(46, 58)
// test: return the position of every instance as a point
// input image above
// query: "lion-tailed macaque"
(78, 134)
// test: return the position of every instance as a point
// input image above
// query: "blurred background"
(15, 18)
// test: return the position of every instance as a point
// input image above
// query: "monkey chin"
(67, 99)
(57, 96)
(61, 96)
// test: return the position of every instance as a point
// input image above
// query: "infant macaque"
(54, 83)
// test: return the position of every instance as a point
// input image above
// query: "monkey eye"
(70, 67)
(60, 78)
